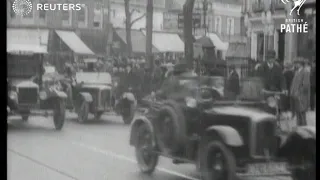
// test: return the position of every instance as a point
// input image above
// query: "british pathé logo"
(297, 4)
(24, 7)
(294, 25)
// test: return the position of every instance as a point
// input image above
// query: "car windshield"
(23, 66)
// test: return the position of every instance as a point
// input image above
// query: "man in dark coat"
(234, 82)
(300, 92)
(272, 74)
(288, 74)
(313, 85)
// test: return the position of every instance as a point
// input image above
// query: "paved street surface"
(97, 150)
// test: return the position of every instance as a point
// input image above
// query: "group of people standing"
(296, 80)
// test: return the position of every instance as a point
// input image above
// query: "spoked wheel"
(83, 112)
(59, 114)
(217, 162)
(146, 157)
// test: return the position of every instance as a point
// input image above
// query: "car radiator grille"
(28, 95)
(265, 138)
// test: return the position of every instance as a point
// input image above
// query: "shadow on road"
(20, 126)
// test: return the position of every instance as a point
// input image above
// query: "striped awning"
(74, 42)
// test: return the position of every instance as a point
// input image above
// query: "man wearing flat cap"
(300, 92)
(272, 74)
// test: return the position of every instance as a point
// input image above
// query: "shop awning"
(74, 42)
(27, 40)
(217, 42)
(167, 42)
(138, 40)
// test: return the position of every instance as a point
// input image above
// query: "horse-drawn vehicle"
(223, 138)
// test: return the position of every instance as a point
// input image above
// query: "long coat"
(300, 91)
(273, 77)
(234, 83)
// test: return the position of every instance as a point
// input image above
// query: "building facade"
(90, 23)
(138, 7)
(263, 20)
(223, 18)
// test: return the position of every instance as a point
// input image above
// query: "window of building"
(66, 18)
(42, 13)
(217, 26)
(83, 17)
(98, 16)
(113, 13)
(230, 26)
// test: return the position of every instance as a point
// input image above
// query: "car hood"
(23, 83)
(252, 113)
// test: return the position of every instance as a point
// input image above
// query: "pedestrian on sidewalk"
(300, 92)
(313, 86)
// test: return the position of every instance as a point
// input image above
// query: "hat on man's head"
(271, 54)
(287, 64)
(300, 60)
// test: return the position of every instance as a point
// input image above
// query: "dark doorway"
(281, 46)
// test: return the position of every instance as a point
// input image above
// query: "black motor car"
(94, 93)
(28, 92)
(223, 138)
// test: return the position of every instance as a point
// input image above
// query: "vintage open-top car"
(223, 138)
(27, 94)
(93, 92)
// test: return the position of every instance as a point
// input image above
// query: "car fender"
(134, 127)
(298, 139)
(130, 96)
(229, 135)
(61, 94)
(86, 96)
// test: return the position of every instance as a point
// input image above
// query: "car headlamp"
(272, 102)
(43, 95)
(13, 95)
(191, 102)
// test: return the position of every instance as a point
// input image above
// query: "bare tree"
(187, 31)
(129, 22)
(149, 26)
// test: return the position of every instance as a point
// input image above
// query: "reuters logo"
(22, 7)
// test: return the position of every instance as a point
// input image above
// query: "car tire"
(128, 116)
(216, 161)
(175, 113)
(59, 114)
(83, 112)
(305, 158)
(98, 115)
(25, 117)
(147, 159)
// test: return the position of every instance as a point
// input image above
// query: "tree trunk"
(149, 26)
(128, 27)
(187, 31)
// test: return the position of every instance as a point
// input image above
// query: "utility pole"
(149, 26)
(187, 31)
(109, 29)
